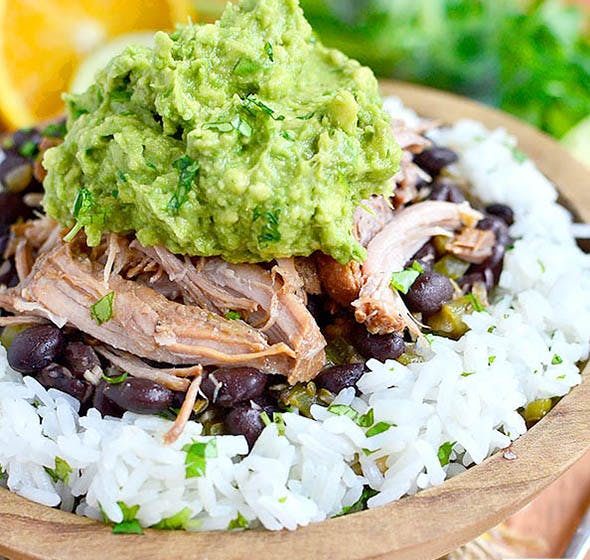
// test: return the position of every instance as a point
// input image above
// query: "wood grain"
(417, 528)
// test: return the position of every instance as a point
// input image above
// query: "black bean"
(228, 387)
(59, 377)
(35, 348)
(12, 208)
(497, 225)
(245, 420)
(435, 159)
(139, 395)
(104, 405)
(8, 275)
(425, 256)
(482, 276)
(505, 213)
(79, 358)
(267, 403)
(379, 346)
(429, 292)
(493, 265)
(315, 305)
(446, 190)
(26, 135)
(336, 378)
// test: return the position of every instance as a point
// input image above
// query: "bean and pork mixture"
(122, 327)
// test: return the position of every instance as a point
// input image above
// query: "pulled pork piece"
(378, 305)
(63, 287)
(268, 300)
(173, 378)
(342, 282)
(306, 267)
(184, 413)
(473, 245)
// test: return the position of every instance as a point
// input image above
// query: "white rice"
(466, 392)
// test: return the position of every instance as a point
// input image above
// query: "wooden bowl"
(424, 526)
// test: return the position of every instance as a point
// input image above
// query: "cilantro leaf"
(444, 453)
(197, 454)
(116, 380)
(175, 522)
(102, 310)
(556, 360)
(232, 315)
(61, 472)
(269, 51)
(361, 503)
(130, 524)
(240, 522)
(188, 171)
(379, 428)
(402, 281)
(54, 130)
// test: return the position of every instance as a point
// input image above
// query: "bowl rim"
(424, 526)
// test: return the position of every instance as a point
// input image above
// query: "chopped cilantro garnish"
(361, 503)
(556, 360)
(474, 301)
(368, 452)
(541, 265)
(366, 419)
(130, 524)
(561, 376)
(402, 281)
(116, 380)
(491, 329)
(83, 203)
(29, 149)
(242, 126)
(288, 135)
(269, 51)
(233, 315)
(379, 428)
(102, 310)
(151, 165)
(444, 453)
(270, 230)
(54, 130)
(219, 126)
(121, 176)
(175, 35)
(306, 117)
(283, 500)
(344, 410)
(240, 522)
(518, 156)
(78, 112)
(115, 193)
(175, 522)
(467, 373)
(188, 171)
(491, 360)
(61, 472)
(250, 102)
(197, 454)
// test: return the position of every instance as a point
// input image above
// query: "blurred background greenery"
(530, 58)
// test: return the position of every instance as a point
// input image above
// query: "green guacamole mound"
(246, 139)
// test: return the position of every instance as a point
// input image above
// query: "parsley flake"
(197, 454)
(269, 51)
(61, 472)
(270, 229)
(444, 453)
(491, 360)
(102, 310)
(232, 315)
(556, 360)
(403, 280)
(379, 428)
(29, 149)
(240, 522)
(175, 522)
(54, 130)
(188, 172)
(130, 524)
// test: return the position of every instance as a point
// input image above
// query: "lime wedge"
(577, 141)
(100, 57)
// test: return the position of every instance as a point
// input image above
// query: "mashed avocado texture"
(246, 139)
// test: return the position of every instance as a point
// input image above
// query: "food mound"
(238, 240)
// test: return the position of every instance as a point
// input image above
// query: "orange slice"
(43, 41)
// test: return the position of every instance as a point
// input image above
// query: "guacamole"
(245, 138)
